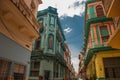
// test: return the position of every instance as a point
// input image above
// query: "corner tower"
(48, 50)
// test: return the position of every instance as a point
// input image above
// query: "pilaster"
(11, 72)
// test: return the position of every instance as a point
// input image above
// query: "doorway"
(46, 75)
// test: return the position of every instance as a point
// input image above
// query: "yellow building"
(101, 60)
(103, 63)
(18, 29)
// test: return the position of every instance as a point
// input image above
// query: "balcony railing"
(98, 45)
(34, 69)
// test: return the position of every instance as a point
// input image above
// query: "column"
(99, 67)
(34, 45)
(92, 36)
(11, 72)
(59, 72)
(98, 35)
(95, 35)
(26, 74)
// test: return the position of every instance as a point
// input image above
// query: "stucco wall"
(12, 51)
(46, 65)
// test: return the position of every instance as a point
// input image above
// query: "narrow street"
(59, 40)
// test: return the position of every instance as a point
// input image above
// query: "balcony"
(93, 46)
(18, 23)
(115, 38)
(112, 7)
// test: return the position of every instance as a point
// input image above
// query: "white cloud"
(74, 56)
(64, 7)
(75, 62)
(68, 30)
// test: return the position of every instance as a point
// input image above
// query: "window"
(46, 74)
(61, 71)
(104, 33)
(35, 69)
(34, 73)
(32, 5)
(19, 71)
(56, 70)
(52, 20)
(4, 67)
(41, 21)
(37, 44)
(103, 30)
(18, 68)
(36, 65)
(112, 68)
(50, 41)
(99, 11)
(105, 38)
(106, 73)
(91, 12)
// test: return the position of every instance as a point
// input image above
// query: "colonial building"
(81, 70)
(47, 58)
(18, 29)
(72, 73)
(69, 69)
(112, 10)
(67, 58)
(101, 60)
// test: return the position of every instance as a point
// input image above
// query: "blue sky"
(71, 15)
(73, 31)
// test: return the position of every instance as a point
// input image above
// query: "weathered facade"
(101, 60)
(47, 58)
(67, 58)
(81, 70)
(112, 10)
(69, 69)
(18, 29)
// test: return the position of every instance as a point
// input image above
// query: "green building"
(47, 59)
